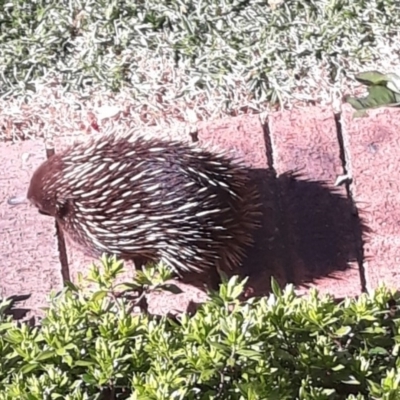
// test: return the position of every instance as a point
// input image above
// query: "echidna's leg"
(139, 262)
(214, 278)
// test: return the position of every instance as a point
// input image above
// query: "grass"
(177, 60)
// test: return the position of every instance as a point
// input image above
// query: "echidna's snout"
(17, 200)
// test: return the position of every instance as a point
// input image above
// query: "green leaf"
(343, 331)
(5, 305)
(68, 359)
(378, 351)
(251, 354)
(370, 318)
(371, 78)
(383, 90)
(377, 96)
(234, 288)
(130, 286)
(89, 378)
(25, 369)
(338, 367)
(351, 381)
(168, 287)
(45, 355)
(14, 336)
(375, 78)
(6, 326)
(99, 295)
(61, 351)
(360, 114)
(276, 290)
(83, 363)
(393, 82)
(71, 286)
(220, 346)
(375, 388)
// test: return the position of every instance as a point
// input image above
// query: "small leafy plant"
(383, 91)
(92, 345)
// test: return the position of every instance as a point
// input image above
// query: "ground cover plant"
(91, 344)
(383, 91)
(180, 61)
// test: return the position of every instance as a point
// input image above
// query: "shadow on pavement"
(309, 231)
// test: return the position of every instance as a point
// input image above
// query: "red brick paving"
(309, 234)
(318, 217)
(30, 263)
(245, 136)
(375, 161)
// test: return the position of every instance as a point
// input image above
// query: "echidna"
(150, 199)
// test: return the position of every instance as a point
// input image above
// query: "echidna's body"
(150, 199)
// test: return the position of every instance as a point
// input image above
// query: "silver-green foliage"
(216, 43)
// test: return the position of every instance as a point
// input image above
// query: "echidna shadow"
(309, 230)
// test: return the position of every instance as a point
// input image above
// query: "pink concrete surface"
(316, 214)
(374, 151)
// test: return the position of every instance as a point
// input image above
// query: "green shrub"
(90, 345)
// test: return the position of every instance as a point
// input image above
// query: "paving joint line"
(283, 226)
(62, 249)
(347, 169)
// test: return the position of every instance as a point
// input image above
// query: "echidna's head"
(42, 191)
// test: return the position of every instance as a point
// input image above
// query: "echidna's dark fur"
(151, 199)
